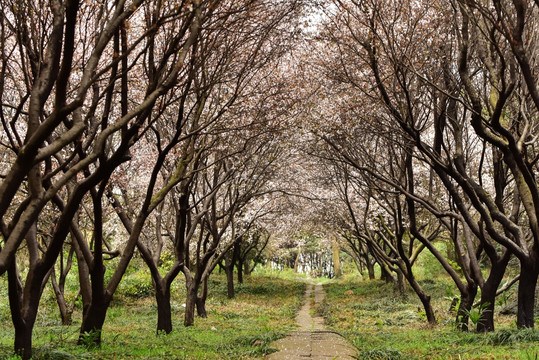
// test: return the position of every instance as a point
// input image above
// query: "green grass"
(383, 325)
(379, 323)
(241, 328)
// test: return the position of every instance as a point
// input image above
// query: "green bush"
(137, 285)
(428, 266)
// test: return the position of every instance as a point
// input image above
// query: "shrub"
(137, 285)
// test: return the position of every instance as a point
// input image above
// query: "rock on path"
(312, 340)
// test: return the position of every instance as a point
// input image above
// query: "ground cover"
(387, 326)
(379, 323)
(241, 328)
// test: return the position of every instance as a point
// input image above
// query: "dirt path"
(312, 340)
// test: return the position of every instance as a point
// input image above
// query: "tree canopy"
(222, 134)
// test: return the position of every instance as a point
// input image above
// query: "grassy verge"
(241, 328)
(385, 326)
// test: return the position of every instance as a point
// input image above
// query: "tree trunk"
(23, 341)
(229, 271)
(201, 300)
(335, 252)
(425, 299)
(230, 261)
(164, 314)
(488, 296)
(190, 303)
(526, 297)
(229, 281)
(386, 275)
(92, 323)
(400, 285)
(240, 269)
(84, 274)
(23, 315)
(486, 321)
(65, 312)
(429, 311)
(370, 268)
(466, 303)
(297, 260)
(246, 268)
(201, 307)
(237, 260)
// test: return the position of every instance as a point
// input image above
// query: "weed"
(164, 338)
(12, 357)
(475, 313)
(375, 321)
(408, 316)
(230, 315)
(49, 353)
(89, 338)
(454, 302)
(511, 336)
(534, 356)
(241, 328)
(58, 336)
(380, 354)
(504, 297)
(427, 282)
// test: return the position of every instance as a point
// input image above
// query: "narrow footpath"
(312, 340)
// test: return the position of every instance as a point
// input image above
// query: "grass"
(240, 328)
(368, 313)
(385, 326)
